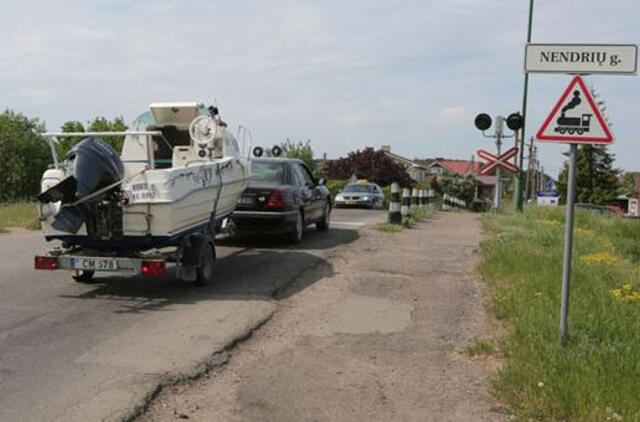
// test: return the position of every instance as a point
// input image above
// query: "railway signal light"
(483, 121)
(515, 121)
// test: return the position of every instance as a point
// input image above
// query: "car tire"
(204, 273)
(323, 225)
(83, 276)
(295, 235)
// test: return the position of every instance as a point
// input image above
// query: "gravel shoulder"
(378, 339)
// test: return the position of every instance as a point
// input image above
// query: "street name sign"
(501, 161)
(575, 118)
(581, 58)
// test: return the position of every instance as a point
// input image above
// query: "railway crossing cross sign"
(575, 118)
(500, 161)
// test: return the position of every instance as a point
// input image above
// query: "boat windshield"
(266, 172)
(359, 188)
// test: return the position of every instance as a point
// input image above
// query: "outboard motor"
(90, 166)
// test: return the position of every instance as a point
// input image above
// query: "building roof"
(407, 162)
(461, 167)
(486, 180)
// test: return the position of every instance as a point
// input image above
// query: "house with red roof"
(459, 167)
(485, 184)
(423, 170)
(417, 171)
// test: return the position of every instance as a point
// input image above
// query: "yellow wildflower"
(616, 293)
(583, 232)
(633, 297)
(600, 258)
(550, 222)
(625, 294)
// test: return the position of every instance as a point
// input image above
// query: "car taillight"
(44, 262)
(153, 268)
(276, 200)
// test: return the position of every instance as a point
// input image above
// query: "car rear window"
(359, 188)
(266, 172)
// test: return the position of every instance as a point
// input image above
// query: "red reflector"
(276, 201)
(152, 268)
(46, 263)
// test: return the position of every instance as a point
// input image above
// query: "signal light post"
(482, 123)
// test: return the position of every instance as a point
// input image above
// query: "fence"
(452, 203)
(402, 206)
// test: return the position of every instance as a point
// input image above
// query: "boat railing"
(52, 140)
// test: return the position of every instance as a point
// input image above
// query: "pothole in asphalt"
(362, 315)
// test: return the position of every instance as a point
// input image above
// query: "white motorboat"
(180, 172)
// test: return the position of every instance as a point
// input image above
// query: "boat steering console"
(203, 130)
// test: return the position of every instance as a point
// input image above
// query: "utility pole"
(520, 186)
(530, 167)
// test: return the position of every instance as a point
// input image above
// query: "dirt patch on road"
(378, 340)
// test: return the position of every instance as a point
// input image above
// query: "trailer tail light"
(276, 200)
(153, 268)
(45, 262)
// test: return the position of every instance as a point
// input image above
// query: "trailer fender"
(190, 249)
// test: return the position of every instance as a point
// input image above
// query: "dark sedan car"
(284, 197)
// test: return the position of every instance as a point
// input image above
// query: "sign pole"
(497, 202)
(568, 243)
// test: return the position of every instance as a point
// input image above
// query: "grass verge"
(597, 375)
(389, 228)
(422, 214)
(482, 347)
(19, 214)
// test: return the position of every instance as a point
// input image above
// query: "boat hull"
(166, 205)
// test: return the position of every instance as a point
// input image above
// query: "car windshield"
(359, 188)
(268, 172)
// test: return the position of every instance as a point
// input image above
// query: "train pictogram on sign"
(575, 118)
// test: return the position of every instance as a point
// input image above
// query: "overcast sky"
(345, 74)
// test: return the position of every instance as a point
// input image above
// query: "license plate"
(352, 201)
(96, 264)
(246, 200)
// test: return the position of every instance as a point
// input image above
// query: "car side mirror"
(321, 182)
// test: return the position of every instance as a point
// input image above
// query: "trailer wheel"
(580, 131)
(204, 273)
(83, 276)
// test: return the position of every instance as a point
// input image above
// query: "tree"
(25, 156)
(302, 151)
(461, 187)
(99, 124)
(369, 164)
(596, 179)
(628, 183)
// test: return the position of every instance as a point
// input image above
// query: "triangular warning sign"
(575, 118)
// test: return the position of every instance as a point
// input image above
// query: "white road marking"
(348, 223)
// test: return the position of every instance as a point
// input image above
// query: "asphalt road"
(72, 351)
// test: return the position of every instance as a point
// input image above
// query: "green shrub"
(19, 214)
(25, 156)
(335, 186)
